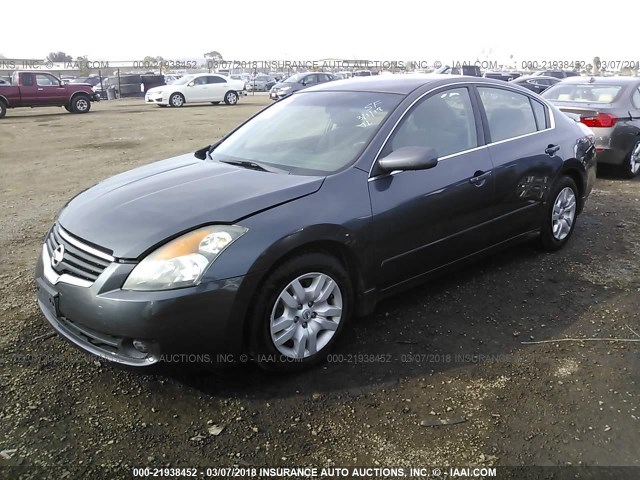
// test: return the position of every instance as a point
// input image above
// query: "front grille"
(79, 260)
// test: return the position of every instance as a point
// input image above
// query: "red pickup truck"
(40, 89)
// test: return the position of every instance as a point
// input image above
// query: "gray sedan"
(610, 106)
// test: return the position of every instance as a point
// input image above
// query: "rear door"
(217, 88)
(525, 151)
(425, 219)
(29, 90)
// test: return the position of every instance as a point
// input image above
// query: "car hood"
(135, 211)
(157, 89)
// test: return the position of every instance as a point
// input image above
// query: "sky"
(303, 30)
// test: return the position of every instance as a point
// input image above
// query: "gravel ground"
(448, 349)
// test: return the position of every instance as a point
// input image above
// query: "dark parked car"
(610, 106)
(557, 73)
(269, 241)
(536, 84)
(469, 70)
(299, 81)
(504, 76)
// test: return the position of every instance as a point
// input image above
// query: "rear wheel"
(560, 215)
(80, 104)
(631, 164)
(176, 100)
(3, 109)
(231, 98)
(300, 311)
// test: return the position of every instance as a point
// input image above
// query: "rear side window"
(215, 79)
(27, 80)
(444, 122)
(509, 114)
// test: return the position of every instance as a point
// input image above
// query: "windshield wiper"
(254, 166)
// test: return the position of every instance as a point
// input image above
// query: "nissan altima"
(267, 242)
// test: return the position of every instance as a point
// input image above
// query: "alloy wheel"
(634, 160)
(563, 214)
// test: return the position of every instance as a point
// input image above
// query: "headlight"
(284, 89)
(181, 262)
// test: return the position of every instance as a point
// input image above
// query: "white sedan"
(197, 88)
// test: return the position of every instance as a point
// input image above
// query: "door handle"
(551, 149)
(480, 178)
(40, 89)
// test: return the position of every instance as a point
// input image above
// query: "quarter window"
(539, 111)
(443, 121)
(635, 99)
(509, 114)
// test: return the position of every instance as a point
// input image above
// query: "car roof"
(602, 80)
(400, 84)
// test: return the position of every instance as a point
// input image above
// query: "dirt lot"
(455, 345)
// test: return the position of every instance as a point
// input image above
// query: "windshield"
(312, 133)
(582, 93)
(184, 80)
(295, 78)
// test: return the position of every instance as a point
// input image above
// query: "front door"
(426, 219)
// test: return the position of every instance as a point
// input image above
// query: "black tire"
(263, 347)
(215, 103)
(231, 98)
(176, 100)
(68, 108)
(80, 104)
(549, 240)
(631, 165)
(3, 109)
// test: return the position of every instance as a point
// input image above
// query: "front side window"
(45, 80)
(509, 114)
(443, 121)
(310, 133)
(200, 81)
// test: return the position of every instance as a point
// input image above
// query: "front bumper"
(156, 99)
(96, 97)
(189, 325)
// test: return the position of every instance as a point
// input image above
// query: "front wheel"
(231, 98)
(560, 215)
(3, 109)
(68, 108)
(300, 311)
(176, 100)
(631, 164)
(80, 104)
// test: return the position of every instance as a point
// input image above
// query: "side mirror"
(409, 158)
(190, 84)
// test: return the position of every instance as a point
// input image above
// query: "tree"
(83, 65)
(2, 56)
(596, 65)
(215, 56)
(59, 57)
